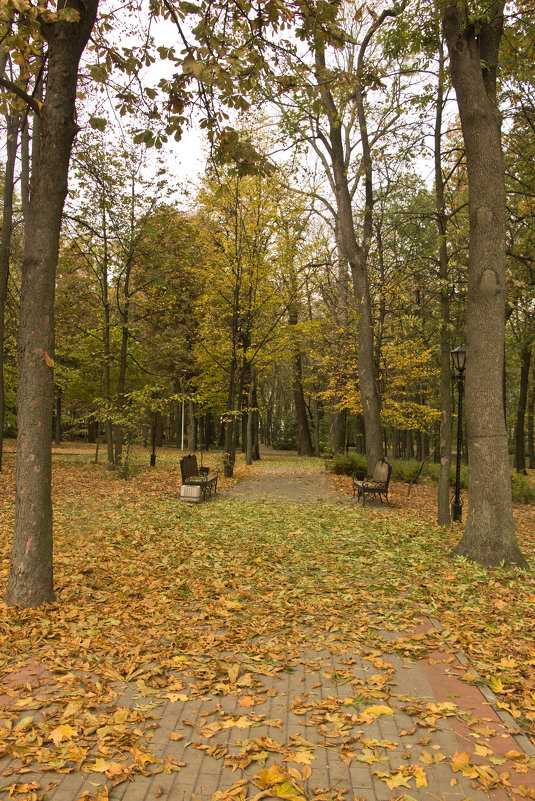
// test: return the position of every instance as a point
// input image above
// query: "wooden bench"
(195, 476)
(376, 485)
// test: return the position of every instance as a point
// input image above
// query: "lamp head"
(459, 357)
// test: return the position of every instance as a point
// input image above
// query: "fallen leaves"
(163, 603)
(403, 777)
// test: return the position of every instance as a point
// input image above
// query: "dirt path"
(297, 487)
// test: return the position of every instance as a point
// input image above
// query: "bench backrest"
(382, 472)
(188, 466)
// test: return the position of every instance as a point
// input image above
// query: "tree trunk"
(489, 537)
(445, 345)
(337, 428)
(13, 125)
(316, 411)
(192, 428)
(158, 429)
(230, 450)
(250, 418)
(31, 572)
(356, 257)
(337, 417)
(256, 418)
(106, 333)
(520, 441)
(531, 448)
(59, 425)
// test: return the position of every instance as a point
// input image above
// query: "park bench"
(196, 481)
(376, 485)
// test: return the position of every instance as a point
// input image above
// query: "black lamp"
(458, 356)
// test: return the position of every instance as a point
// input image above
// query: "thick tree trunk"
(489, 537)
(13, 125)
(337, 428)
(337, 417)
(520, 440)
(31, 572)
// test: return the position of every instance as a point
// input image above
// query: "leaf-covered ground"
(148, 586)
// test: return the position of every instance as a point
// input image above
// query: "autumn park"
(267, 460)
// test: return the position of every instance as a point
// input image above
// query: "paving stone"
(312, 681)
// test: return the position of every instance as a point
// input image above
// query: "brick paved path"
(326, 724)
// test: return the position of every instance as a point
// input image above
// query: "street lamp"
(153, 441)
(459, 360)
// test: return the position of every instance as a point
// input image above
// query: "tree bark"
(520, 440)
(489, 536)
(31, 571)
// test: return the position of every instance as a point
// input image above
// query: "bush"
(523, 491)
(347, 464)
(407, 470)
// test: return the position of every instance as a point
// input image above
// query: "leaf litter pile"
(210, 609)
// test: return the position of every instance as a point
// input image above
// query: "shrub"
(347, 464)
(407, 469)
(523, 491)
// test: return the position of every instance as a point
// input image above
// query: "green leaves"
(98, 123)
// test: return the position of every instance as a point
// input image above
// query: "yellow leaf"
(48, 360)
(420, 776)
(375, 711)
(271, 775)
(242, 722)
(460, 762)
(301, 757)
(516, 756)
(426, 757)
(99, 765)
(394, 780)
(64, 732)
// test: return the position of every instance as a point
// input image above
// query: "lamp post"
(153, 441)
(459, 360)
(155, 395)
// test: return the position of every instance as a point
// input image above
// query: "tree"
(66, 33)
(473, 45)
